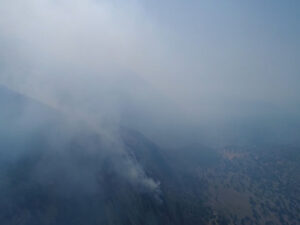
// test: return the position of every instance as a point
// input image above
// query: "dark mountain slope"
(58, 171)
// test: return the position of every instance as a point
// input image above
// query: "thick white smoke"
(72, 55)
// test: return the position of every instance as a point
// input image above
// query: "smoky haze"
(149, 112)
(156, 67)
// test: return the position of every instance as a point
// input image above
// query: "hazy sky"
(199, 55)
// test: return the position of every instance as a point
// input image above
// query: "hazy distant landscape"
(57, 172)
(149, 113)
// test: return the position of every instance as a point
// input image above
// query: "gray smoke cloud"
(195, 56)
(65, 152)
(159, 67)
(72, 56)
